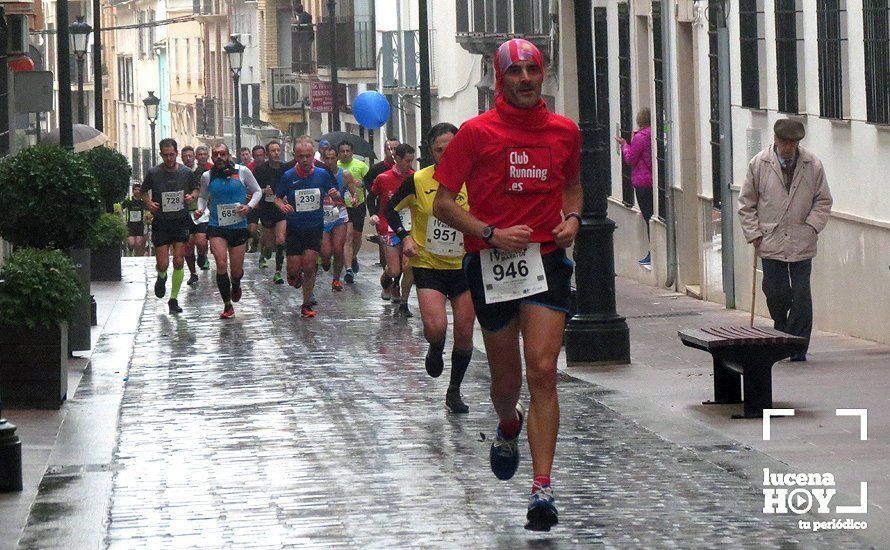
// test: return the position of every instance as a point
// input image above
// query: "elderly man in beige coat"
(784, 204)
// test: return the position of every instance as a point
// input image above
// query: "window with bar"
(789, 54)
(751, 49)
(831, 21)
(625, 90)
(876, 27)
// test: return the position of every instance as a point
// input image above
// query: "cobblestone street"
(269, 430)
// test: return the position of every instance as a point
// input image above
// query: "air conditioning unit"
(286, 95)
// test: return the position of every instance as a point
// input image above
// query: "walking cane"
(753, 288)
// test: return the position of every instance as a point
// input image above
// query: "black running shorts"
(301, 239)
(166, 232)
(233, 236)
(492, 317)
(357, 217)
(450, 282)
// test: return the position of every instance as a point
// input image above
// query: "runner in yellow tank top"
(435, 253)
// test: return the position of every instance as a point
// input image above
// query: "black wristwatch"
(487, 233)
(403, 233)
(575, 215)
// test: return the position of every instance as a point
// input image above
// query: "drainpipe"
(726, 204)
(667, 64)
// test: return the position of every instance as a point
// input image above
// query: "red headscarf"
(512, 51)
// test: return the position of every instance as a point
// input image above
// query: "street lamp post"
(235, 50)
(63, 66)
(98, 116)
(597, 333)
(426, 158)
(335, 85)
(151, 113)
(80, 34)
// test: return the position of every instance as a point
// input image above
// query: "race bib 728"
(529, 170)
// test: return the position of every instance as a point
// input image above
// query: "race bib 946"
(512, 275)
(529, 170)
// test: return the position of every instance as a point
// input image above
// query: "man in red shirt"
(520, 163)
(384, 187)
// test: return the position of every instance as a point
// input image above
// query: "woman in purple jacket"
(638, 155)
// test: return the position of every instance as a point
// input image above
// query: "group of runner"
(485, 229)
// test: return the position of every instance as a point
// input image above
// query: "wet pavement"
(272, 431)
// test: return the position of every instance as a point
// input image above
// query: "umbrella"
(85, 138)
(359, 146)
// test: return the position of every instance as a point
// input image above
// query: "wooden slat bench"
(744, 352)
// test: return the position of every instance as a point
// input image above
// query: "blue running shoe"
(541, 511)
(504, 453)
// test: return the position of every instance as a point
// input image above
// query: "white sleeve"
(252, 186)
(205, 185)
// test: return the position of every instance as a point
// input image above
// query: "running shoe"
(206, 265)
(263, 263)
(193, 279)
(455, 403)
(542, 513)
(434, 363)
(173, 306)
(336, 285)
(228, 312)
(312, 300)
(373, 239)
(160, 287)
(306, 311)
(325, 266)
(355, 266)
(384, 294)
(404, 311)
(236, 293)
(396, 293)
(349, 277)
(278, 279)
(504, 453)
(647, 260)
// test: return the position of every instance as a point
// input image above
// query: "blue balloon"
(371, 109)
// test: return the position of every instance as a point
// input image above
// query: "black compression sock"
(279, 257)
(460, 361)
(225, 287)
(190, 260)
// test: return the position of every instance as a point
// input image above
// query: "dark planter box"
(105, 264)
(33, 366)
(79, 320)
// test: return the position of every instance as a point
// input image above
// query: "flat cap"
(792, 130)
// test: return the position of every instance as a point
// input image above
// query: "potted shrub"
(50, 199)
(38, 291)
(108, 236)
(112, 173)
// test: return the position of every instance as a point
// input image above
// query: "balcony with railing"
(402, 53)
(355, 43)
(482, 25)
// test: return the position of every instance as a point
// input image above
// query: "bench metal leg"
(727, 385)
(758, 381)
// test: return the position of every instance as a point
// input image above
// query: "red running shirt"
(516, 163)
(385, 186)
